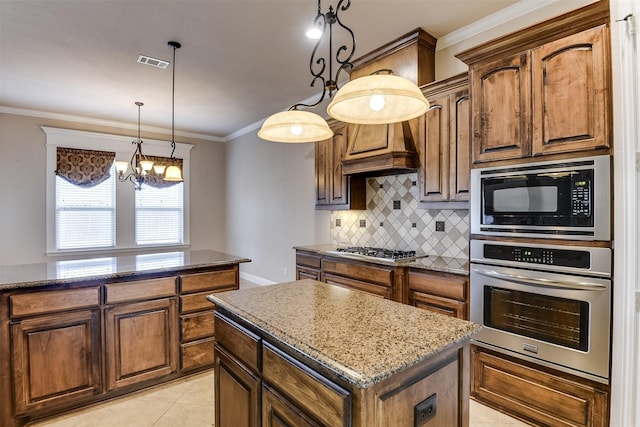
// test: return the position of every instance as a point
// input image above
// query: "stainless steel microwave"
(566, 199)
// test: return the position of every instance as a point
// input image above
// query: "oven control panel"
(538, 255)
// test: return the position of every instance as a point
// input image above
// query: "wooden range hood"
(391, 149)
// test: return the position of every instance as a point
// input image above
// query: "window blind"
(85, 216)
(159, 215)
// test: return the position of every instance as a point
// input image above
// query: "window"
(85, 216)
(159, 215)
(112, 216)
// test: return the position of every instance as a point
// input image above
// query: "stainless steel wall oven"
(549, 304)
(566, 199)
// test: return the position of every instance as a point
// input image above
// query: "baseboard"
(255, 279)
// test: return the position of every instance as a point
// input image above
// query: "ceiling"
(240, 60)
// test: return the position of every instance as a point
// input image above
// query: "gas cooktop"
(380, 254)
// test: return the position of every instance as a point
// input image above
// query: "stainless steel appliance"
(377, 254)
(549, 304)
(567, 199)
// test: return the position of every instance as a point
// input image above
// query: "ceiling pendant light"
(295, 125)
(172, 172)
(140, 165)
(379, 98)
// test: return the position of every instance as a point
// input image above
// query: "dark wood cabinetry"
(66, 348)
(442, 293)
(376, 280)
(543, 90)
(537, 395)
(334, 190)
(444, 150)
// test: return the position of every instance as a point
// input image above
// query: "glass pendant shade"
(173, 174)
(378, 99)
(146, 165)
(121, 167)
(295, 126)
(159, 169)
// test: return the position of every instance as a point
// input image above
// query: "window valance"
(85, 168)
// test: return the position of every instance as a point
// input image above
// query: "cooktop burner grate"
(377, 253)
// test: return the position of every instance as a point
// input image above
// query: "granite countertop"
(361, 338)
(431, 262)
(82, 269)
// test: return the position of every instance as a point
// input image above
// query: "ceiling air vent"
(143, 59)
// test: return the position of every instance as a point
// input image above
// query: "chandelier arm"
(301, 104)
(322, 62)
(344, 48)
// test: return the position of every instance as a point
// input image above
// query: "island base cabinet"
(141, 341)
(279, 412)
(237, 392)
(56, 360)
(537, 395)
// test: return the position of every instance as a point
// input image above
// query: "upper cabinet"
(334, 190)
(443, 145)
(543, 90)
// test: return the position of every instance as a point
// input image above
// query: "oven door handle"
(547, 283)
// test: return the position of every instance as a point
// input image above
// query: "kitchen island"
(308, 353)
(78, 331)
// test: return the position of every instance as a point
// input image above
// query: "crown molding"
(101, 122)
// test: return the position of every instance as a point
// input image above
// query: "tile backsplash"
(393, 220)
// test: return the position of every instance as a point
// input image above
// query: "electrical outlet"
(424, 411)
(285, 272)
(439, 225)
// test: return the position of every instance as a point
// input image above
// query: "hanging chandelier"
(379, 98)
(141, 167)
(296, 125)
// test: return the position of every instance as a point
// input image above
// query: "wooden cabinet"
(56, 359)
(439, 292)
(196, 314)
(444, 151)
(537, 395)
(334, 190)
(308, 265)
(278, 411)
(543, 90)
(140, 336)
(571, 93)
(237, 392)
(376, 280)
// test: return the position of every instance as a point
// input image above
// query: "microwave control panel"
(581, 198)
(536, 255)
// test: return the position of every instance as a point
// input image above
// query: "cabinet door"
(446, 306)
(501, 109)
(535, 394)
(237, 392)
(434, 153)
(141, 341)
(323, 172)
(339, 188)
(279, 412)
(459, 146)
(570, 93)
(56, 360)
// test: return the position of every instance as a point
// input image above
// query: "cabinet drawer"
(197, 354)
(366, 273)
(198, 325)
(222, 280)
(239, 341)
(378, 290)
(444, 286)
(308, 260)
(50, 301)
(307, 273)
(195, 302)
(140, 290)
(327, 402)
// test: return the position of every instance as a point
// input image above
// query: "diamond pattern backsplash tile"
(407, 228)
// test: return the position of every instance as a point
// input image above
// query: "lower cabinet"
(376, 280)
(56, 360)
(278, 411)
(140, 341)
(537, 395)
(442, 293)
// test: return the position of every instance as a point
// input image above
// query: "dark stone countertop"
(431, 263)
(110, 267)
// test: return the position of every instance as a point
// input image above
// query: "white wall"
(270, 205)
(23, 181)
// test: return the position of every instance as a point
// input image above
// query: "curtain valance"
(85, 168)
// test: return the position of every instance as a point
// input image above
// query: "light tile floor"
(188, 402)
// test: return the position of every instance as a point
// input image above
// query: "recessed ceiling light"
(144, 59)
